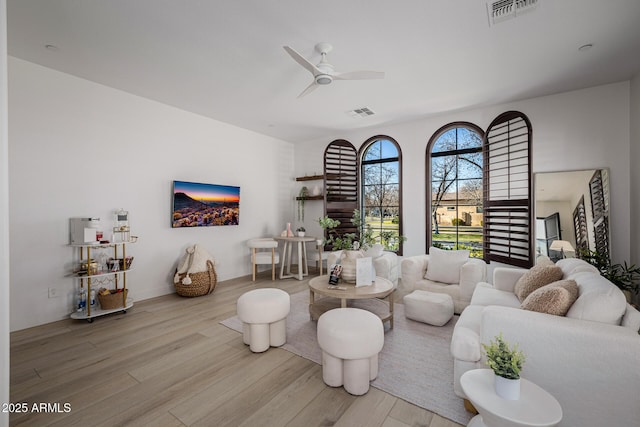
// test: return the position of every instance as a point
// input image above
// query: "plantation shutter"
(508, 195)
(580, 228)
(341, 183)
(600, 209)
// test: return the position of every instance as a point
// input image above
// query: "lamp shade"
(561, 245)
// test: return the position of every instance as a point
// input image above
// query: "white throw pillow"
(374, 251)
(599, 300)
(444, 266)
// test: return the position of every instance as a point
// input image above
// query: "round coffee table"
(381, 288)
(536, 407)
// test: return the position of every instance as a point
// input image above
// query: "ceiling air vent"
(360, 112)
(502, 10)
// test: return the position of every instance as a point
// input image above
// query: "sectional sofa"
(589, 359)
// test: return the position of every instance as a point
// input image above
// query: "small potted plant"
(301, 231)
(302, 196)
(506, 362)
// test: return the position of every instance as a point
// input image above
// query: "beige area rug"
(415, 363)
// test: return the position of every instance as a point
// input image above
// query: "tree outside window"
(455, 159)
(381, 191)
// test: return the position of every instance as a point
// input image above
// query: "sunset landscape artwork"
(204, 205)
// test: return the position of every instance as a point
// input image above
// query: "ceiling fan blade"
(359, 75)
(313, 86)
(302, 61)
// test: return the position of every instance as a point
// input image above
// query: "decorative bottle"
(82, 300)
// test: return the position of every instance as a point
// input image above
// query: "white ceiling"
(224, 58)
(561, 186)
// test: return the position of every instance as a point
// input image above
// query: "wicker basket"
(201, 283)
(112, 300)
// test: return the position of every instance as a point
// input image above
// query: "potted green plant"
(301, 231)
(362, 239)
(352, 244)
(506, 362)
(302, 196)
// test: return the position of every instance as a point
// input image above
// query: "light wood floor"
(168, 362)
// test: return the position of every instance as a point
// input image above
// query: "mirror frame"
(572, 194)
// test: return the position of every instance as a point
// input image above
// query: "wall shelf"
(310, 178)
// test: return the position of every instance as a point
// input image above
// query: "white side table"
(302, 256)
(535, 407)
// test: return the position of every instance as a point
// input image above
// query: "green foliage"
(474, 252)
(624, 276)
(505, 361)
(391, 240)
(361, 239)
(458, 221)
(304, 192)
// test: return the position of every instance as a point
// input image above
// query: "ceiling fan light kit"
(323, 79)
(323, 73)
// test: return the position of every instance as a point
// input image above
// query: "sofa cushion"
(444, 266)
(599, 300)
(465, 341)
(555, 298)
(631, 319)
(485, 294)
(575, 265)
(537, 277)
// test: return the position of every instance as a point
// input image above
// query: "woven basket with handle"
(202, 283)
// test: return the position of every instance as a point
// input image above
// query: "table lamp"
(562, 246)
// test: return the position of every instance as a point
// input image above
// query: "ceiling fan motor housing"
(323, 79)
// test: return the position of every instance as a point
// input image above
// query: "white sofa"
(384, 262)
(589, 359)
(413, 270)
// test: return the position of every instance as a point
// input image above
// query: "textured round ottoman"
(263, 313)
(350, 339)
(428, 307)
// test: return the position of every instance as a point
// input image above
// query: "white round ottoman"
(350, 339)
(263, 313)
(428, 307)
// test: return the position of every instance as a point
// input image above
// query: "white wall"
(635, 169)
(4, 220)
(82, 149)
(583, 129)
(634, 158)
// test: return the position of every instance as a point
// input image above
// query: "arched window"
(381, 190)
(454, 179)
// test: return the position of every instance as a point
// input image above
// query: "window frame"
(362, 164)
(428, 182)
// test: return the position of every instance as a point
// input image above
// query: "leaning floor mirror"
(572, 214)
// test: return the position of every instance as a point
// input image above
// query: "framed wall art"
(204, 205)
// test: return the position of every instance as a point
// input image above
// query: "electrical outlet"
(53, 293)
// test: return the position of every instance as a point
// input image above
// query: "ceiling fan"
(323, 73)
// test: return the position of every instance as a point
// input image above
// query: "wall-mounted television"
(204, 205)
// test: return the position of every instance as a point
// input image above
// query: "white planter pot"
(506, 388)
(348, 261)
(301, 233)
